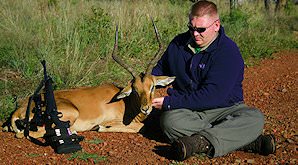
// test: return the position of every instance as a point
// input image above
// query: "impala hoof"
(19, 135)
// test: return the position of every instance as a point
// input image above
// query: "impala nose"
(20, 124)
(145, 109)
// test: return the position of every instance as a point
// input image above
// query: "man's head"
(204, 22)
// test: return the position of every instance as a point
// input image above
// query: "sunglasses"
(199, 29)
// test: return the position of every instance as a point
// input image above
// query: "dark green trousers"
(227, 129)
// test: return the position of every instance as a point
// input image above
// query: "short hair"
(203, 7)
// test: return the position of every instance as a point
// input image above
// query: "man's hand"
(157, 102)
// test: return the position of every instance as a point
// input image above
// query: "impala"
(105, 108)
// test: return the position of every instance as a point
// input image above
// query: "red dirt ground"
(270, 86)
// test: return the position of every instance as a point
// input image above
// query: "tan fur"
(88, 107)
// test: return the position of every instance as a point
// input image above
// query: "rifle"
(58, 134)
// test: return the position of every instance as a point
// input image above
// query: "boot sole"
(273, 147)
(180, 150)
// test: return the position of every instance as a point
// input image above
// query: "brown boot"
(263, 145)
(188, 145)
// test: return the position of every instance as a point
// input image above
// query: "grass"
(173, 162)
(76, 39)
(84, 156)
(95, 141)
(32, 155)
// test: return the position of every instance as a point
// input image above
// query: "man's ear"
(217, 25)
(124, 92)
(163, 80)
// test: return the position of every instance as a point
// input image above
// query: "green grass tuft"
(95, 141)
(81, 155)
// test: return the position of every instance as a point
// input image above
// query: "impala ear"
(163, 80)
(124, 92)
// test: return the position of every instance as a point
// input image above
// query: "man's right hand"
(157, 102)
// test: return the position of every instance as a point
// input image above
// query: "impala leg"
(35, 134)
(120, 127)
(39, 133)
(69, 113)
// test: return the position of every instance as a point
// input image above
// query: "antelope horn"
(119, 60)
(158, 53)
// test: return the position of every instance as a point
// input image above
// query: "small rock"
(162, 159)
(153, 141)
(131, 137)
(293, 161)
(290, 141)
(104, 144)
(112, 153)
(250, 161)
(238, 161)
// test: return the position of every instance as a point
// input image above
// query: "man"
(204, 111)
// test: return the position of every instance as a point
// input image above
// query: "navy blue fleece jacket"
(209, 79)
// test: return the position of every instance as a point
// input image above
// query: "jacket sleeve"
(225, 71)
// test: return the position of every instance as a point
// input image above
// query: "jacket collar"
(208, 48)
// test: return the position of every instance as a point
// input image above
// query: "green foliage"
(179, 2)
(95, 29)
(173, 162)
(87, 157)
(236, 19)
(33, 155)
(259, 36)
(95, 141)
(290, 8)
(7, 104)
